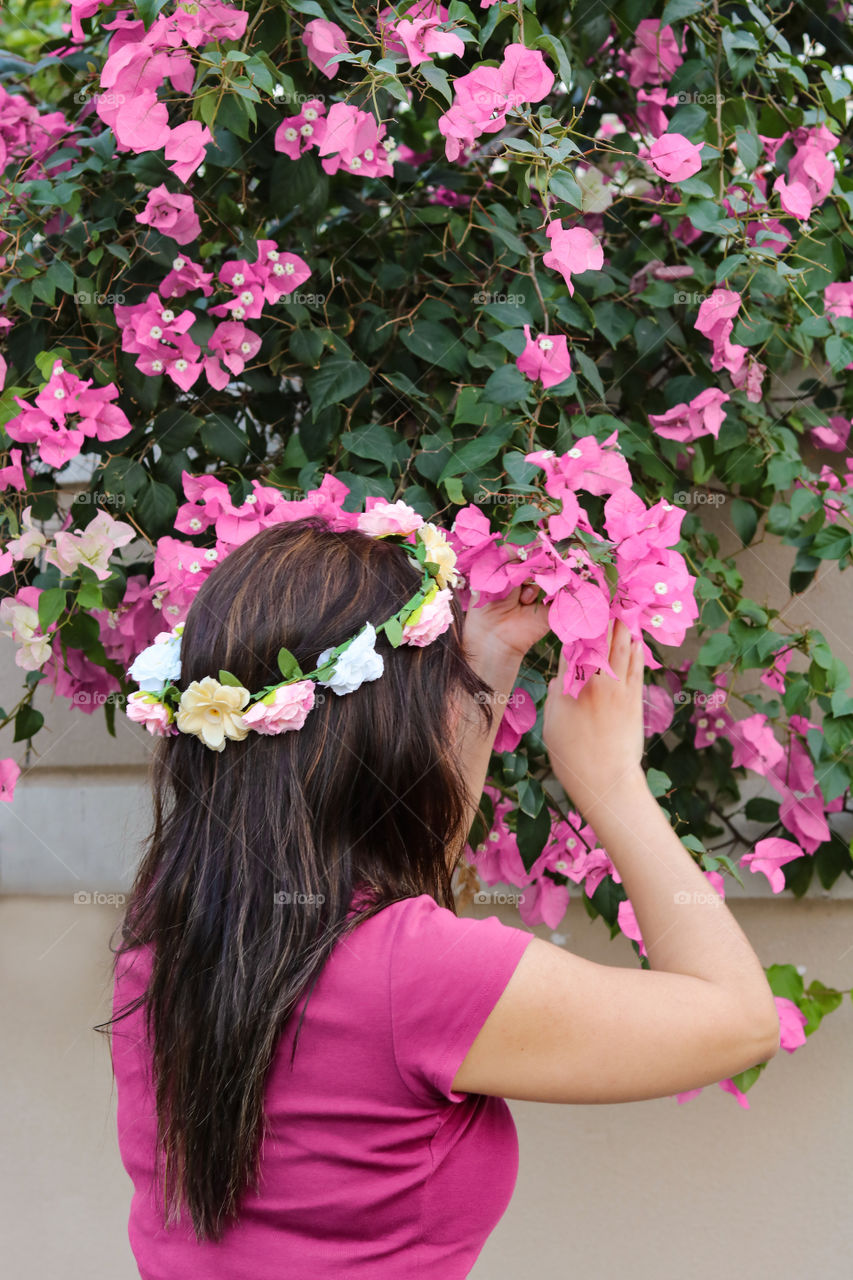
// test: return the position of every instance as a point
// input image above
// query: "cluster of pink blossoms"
(483, 97)
(64, 412)
(159, 337)
(345, 138)
(140, 63)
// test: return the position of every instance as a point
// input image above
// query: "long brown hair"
(367, 791)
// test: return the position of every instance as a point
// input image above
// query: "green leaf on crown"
(225, 677)
(394, 631)
(287, 664)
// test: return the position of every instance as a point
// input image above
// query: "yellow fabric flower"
(440, 552)
(213, 712)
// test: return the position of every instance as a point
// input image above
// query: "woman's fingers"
(620, 649)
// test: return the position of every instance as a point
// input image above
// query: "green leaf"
(507, 385)
(394, 632)
(435, 344)
(288, 665)
(673, 10)
(744, 518)
(225, 677)
(336, 380)
(717, 650)
(222, 437)
(437, 78)
(51, 604)
(589, 371)
(28, 721)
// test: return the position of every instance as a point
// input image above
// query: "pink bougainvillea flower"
(658, 710)
(352, 139)
(811, 168)
(838, 299)
(525, 75)
(13, 476)
(298, 133)
(754, 745)
(324, 40)
(775, 678)
(205, 20)
(423, 37)
(792, 1022)
(573, 251)
(545, 358)
(650, 113)
(171, 215)
(483, 96)
(10, 772)
(519, 716)
(184, 277)
(141, 123)
(656, 55)
(285, 708)
(627, 920)
(769, 856)
(703, 415)
(185, 148)
(834, 436)
(421, 10)
(93, 546)
(729, 1086)
(673, 157)
(794, 198)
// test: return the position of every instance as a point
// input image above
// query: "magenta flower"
(835, 436)
(794, 198)
(754, 745)
(545, 358)
(573, 251)
(184, 277)
(838, 299)
(658, 710)
(769, 856)
(656, 55)
(353, 140)
(9, 774)
(171, 215)
(13, 475)
(185, 148)
(792, 1022)
(627, 920)
(811, 168)
(297, 134)
(519, 716)
(285, 708)
(673, 157)
(203, 21)
(422, 38)
(701, 416)
(324, 40)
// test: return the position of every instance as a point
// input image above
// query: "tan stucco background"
(652, 1189)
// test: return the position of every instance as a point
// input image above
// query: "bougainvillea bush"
(572, 281)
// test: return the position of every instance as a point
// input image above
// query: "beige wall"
(651, 1190)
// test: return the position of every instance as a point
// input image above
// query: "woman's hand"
(595, 741)
(500, 632)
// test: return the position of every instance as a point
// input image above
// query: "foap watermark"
(82, 96)
(688, 298)
(484, 298)
(700, 497)
(284, 898)
(513, 699)
(96, 898)
(702, 99)
(505, 499)
(94, 698)
(289, 99)
(101, 499)
(708, 701)
(309, 299)
(499, 899)
(682, 896)
(101, 299)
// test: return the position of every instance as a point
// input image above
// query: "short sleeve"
(446, 975)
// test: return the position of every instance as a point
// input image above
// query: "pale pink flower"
(285, 708)
(545, 358)
(144, 708)
(380, 517)
(435, 616)
(171, 215)
(673, 157)
(769, 856)
(573, 251)
(324, 40)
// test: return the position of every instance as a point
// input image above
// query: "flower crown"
(215, 710)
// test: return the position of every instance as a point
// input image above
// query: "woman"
(311, 1049)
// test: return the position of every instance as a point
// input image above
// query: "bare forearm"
(686, 926)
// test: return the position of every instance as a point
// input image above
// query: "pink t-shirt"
(374, 1168)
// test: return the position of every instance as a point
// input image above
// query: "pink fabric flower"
(381, 517)
(143, 708)
(573, 251)
(324, 40)
(545, 358)
(285, 708)
(673, 157)
(171, 215)
(435, 616)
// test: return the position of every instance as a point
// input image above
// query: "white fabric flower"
(358, 663)
(159, 664)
